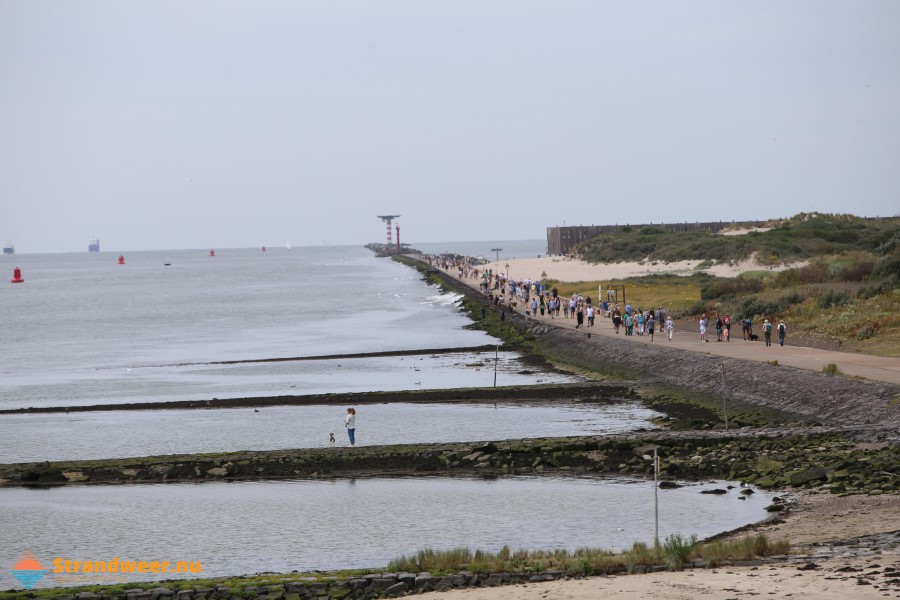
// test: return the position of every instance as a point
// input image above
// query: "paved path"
(687, 337)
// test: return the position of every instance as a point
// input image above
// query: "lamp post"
(644, 452)
(496, 360)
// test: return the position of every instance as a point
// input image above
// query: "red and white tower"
(387, 219)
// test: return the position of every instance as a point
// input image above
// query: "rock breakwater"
(802, 457)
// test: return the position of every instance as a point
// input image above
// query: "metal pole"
(496, 359)
(724, 407)
(655, 498)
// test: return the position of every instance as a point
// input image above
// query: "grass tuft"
(832, 369)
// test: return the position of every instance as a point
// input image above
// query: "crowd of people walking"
(538, 300)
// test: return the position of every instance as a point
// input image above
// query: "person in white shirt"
(350, 424)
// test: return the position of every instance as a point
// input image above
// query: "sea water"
(83, 329)
(116, 434)
(248, 527)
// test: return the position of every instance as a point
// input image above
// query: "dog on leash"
(754, 337)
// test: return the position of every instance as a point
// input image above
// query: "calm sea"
(83, 329)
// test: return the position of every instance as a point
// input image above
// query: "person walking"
(782, 330)
(703, 323)
(670, 327)
(350, 424)
(651, 324)
(720, 326)
(727, 322)
(767, 332)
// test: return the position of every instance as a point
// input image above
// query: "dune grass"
(801, 237)
(674, 552)
(832, 369)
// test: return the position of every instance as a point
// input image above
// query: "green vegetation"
(745, 548)
(799, 238)
(675, 552)
(845, 291)
(831, 369)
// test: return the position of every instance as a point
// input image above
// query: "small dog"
(754, 337)
(331, 440)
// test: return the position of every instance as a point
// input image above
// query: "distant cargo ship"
(94, 246)
(9, 249)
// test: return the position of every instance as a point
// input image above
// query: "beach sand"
(712, 584)
(572, 270)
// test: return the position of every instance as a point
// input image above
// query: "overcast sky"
(183, 124)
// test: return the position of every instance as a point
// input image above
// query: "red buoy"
(17, 275)
(121, 260)
(212, 252)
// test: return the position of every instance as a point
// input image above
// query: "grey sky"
(179, 124)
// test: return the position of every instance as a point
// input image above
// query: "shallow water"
(135, 384)
(281, 526)
(80, 321)
(60, 436)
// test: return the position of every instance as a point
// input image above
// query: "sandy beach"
(572, 270)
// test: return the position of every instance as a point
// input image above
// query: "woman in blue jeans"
(350, 424)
